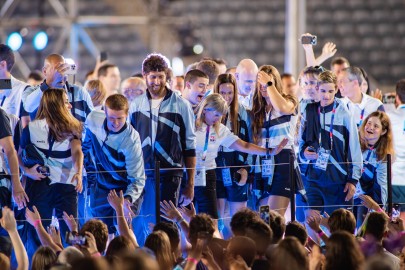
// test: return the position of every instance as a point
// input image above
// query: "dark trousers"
(61, 197)
(205, 198)
(169, 191)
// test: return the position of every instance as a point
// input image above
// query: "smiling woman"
(376, 141)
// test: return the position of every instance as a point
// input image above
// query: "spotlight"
(40, 41)
(198, 49)
(177, 66)
(14, 41)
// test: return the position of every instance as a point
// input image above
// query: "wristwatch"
(269, 83)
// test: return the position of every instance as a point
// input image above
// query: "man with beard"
(165, 123)
(246, 73)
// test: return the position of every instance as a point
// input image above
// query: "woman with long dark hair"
(273, 113)
(52, 185)
(233, 169)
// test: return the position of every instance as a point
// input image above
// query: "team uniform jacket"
(345, 161)
(78, 98)
(113, 159)
(175, 137)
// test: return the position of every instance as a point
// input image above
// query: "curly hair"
(155, 62)
(99, 230)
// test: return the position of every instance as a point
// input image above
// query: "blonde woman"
(211, 134)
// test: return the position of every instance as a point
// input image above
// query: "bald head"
(246, 73)
(133, 87)
(54, 59)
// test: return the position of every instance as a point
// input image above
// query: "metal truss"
(74, 26)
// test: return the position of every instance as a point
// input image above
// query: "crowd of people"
(79, 186)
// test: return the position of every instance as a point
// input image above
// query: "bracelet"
(193, 260)
(320, 233)
(96, 254)
(180, 221)
(380, 210)
(36, 223)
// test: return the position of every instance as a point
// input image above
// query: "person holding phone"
(335, 161)
(233, 172)
(211, 135)
(56, 134)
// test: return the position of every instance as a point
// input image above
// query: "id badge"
(267, 168)
(358, 191)
(226, 177)
(200, 178)
(323, 159)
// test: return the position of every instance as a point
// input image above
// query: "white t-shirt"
(367, 105)
(397, 118)
(155, 106)
(224, 137)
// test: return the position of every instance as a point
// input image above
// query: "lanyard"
(207, 135)
(361, 117)
(151, 122)
(365, 162)
(51, 141)
(268, 136)
(324, 125)
(221, 148)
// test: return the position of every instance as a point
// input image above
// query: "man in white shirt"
(246, 74)
(358, 103)
(397, 118)
(10, 99)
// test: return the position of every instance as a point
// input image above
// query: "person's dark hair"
(376, 225)
(234, 106)
(365, 77)
(118, 246)
(261, 234)
(137, 75)
(155, 62)
(90, 263)
(7, 54)
(240, 220)
(62, 124)
(192, 75)
(244, 247)
(4, 261)
(343, 252)
(339, 61)
(200, 223)
(117, 102)
(277, 225)
(69, 255)
(36, 75)
(289, 254)
(210, 68)
(342, 220)
(296, 229)
(43, 258)
(286, 75)
(140, 260)
(219, 61)
(103, 70)
(172, 231)
(6, 247)
(99, 230)
(400, 90)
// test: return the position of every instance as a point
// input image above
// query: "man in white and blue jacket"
(330, 142)
(113, 159)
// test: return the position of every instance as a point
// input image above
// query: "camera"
(72, 70)
(264, 212)
(309, 39)
(44, 170)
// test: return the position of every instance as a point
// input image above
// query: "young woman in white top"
(211, 134)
